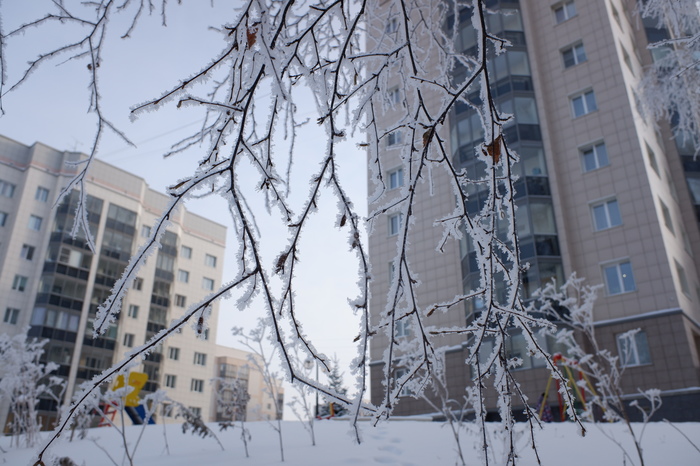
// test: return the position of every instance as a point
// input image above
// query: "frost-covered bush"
(24, 380)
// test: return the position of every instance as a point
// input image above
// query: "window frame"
(396, 178)
(11, 315)
(208, 284)
(605, 203)
(210, 260)
(133, 311)
(180, 300)
(197, 385)
(27, 252)
(568, 9)
(20, 282)
(3, 218)
(395, 228)
(635, 340)
(128, 340)
(183, 276)
(199, 359)
(185, 252)
(41, 194)
(577, 58)
(170, 380)
(35, 220)
(598, 154)
(583, 95)
(394, 138)
(667, 216)
(174, 353)
(7, 189)
(617, 265)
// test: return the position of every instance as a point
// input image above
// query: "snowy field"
(393, 443)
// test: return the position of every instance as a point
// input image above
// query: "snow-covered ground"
(394, 443)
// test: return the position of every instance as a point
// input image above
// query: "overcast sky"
(51, 107)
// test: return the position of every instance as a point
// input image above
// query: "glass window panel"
(511, 20)
(522, 221)
(500, 66)
(38, 316)
(601, 220)
(477, 132)
(590, 101)
(532, 159)
(543, 219)
(627, 276)
(73, 321)
(612, 280)
(614, 213)
(526, 111)
(518, 63)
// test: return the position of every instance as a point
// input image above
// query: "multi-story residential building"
(601, 192)
(53, 284)
(263, 403)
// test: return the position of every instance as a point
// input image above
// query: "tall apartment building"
(601, 193)
(53, 284)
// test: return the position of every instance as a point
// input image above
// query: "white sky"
(51, 107)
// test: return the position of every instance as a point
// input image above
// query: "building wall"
(658, 233)
(57, 264)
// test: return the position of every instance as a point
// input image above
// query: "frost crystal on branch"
(376, 69)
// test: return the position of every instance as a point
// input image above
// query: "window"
(398, 374)
(207, 284)
(197, 385)
(200, 359)
(396, 178)
(27, 252)
(35, 223)
(403, 328)
(652, 160)
(594, 157)
(209, 260)
(138, 284)
(145, 231)
(582, 104)
(196, 411)
(19, 283)
(573, 55)
(393, 96)
(564, 11)
(668, 221)
(616, 15)
(392, 25)
(619, 278)
(205, 334)
(186, 252)
(180, 301)
(11, 316)
(42, 194)
(129, 340)
(170, 380)
(395, 222)
(7, 189)
(394, 138)
(174, 353)
(183, 276)
(3, 219)
(682, 279)
(626, 58)
(133, 311)
(606, 215)
(633, 348)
